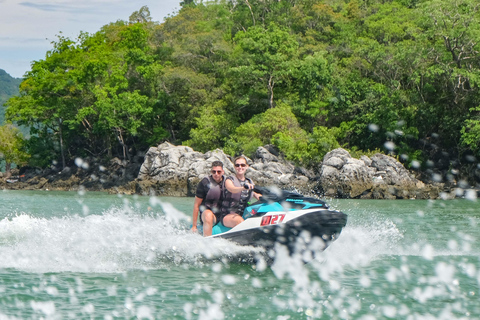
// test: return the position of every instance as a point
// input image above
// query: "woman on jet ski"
(237, 193)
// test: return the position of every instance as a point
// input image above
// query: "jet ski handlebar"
(271, 194)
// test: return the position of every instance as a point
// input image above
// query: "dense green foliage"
(12, 147)
(8, 87)
(304, 75)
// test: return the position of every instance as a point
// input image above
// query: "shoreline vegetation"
(306, 77)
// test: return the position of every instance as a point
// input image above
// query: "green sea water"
(86, 255)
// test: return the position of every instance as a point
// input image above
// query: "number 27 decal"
(273, 219)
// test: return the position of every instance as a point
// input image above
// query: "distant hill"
(8, 87)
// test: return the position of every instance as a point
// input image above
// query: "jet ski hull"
(287, 227)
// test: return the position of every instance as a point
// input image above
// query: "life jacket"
(214, 196)
(232, 202)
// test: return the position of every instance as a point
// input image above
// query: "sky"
(27, 27)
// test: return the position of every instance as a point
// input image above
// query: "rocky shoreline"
(88, 174)
(168, 170)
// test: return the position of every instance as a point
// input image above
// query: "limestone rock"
(378, 177)
(176, 170)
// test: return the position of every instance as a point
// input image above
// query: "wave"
(123, 238)
(116, 241)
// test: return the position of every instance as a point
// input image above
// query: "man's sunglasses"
(243, 165)
(216, 171)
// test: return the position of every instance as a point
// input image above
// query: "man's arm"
(196, 209)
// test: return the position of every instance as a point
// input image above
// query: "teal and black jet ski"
(283, 217)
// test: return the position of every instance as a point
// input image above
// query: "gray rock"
(169, 169)
(335, 162)
(176, 170)
(378, 177)
(344, 176)
(263, 155)
(367, 160)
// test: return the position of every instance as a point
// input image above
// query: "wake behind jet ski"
(283, 217)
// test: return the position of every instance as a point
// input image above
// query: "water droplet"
(389, 145)
(78, 162)
(415, 164)
(373, 127)
(471, 195)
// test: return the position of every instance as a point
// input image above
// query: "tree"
(263, 128)
(265, 60)
(49, 91)
(307, 149)
(213, 127)
(312, 79)
(451, 81)
(89, 94)
(471, 132)
(140, 16)
(12, 147)
(186, 3)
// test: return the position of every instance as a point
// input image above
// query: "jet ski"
(283, 217)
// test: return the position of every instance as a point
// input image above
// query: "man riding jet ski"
(282, 217)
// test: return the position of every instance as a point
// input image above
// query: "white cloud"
(28, 27)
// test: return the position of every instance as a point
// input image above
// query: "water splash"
(115, 241)
(381, 266)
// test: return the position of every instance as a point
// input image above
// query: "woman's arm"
(230, 187)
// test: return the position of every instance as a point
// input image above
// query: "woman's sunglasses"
(216, 171)
(243, 165)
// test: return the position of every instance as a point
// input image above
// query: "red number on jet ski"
(272, 219)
